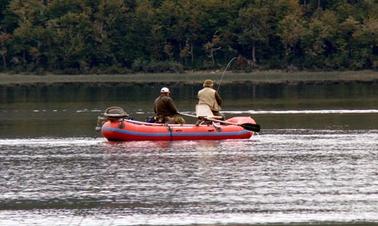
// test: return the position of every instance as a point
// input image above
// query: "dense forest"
(122, 36)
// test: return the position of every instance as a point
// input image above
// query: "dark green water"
(71, 110)
(314, 162)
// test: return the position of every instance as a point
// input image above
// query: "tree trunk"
(212, 52)
(212, 56)
(24, 57)
(349, 48)
(4, 60)
(287, 55)
(192, 53)
(254, 54)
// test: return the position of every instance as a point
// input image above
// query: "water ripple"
(288, 176)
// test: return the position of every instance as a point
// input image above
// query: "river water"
(314, 162)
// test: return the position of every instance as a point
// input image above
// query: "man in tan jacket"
(210, 97)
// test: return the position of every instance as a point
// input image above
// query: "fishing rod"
(228, 65)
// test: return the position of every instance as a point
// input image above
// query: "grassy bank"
(194, 77)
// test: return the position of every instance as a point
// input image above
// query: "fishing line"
(228, 65)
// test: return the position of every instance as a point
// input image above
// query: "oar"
(247, 126)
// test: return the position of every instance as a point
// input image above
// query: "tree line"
(122, 36)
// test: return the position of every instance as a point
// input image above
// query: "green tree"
(320, 40)
(291, 28)
(80, 36)
(255, 29)
(347, 42)
(109, 28)
(4, 38)
(219, 30)
(71, 32)
(28, 36)
(367, 37)
(139, 41)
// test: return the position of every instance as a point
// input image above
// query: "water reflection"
(71, 110)
(69, 123)
(145, 92)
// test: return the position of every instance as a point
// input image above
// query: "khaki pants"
(175, 119)
(217, 113)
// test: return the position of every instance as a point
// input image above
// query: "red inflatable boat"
(131, 130)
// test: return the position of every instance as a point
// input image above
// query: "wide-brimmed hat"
(208, 83)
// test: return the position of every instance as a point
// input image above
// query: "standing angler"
(210, 97)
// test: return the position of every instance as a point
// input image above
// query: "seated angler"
(165, 109)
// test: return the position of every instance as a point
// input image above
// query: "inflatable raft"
(131, 130)
(116, 125)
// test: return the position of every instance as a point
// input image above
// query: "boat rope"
(170, 132)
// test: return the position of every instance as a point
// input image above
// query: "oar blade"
(251, 127)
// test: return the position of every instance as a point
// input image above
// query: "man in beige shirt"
(210, 97)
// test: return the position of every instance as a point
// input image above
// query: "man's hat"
(208, 83)
(164, 90)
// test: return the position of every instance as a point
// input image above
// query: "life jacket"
(207, 96)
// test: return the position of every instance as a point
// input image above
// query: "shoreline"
(260, 77)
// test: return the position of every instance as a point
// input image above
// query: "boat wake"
(41, 141)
